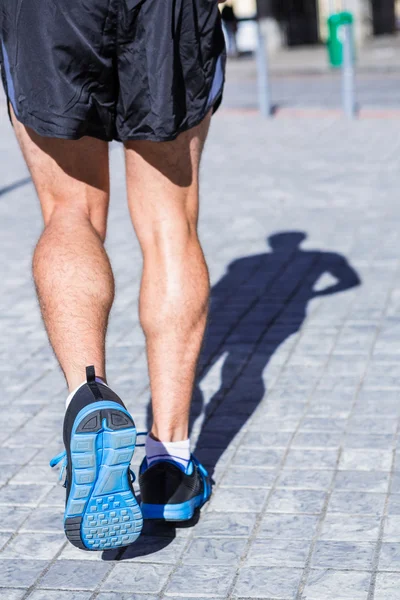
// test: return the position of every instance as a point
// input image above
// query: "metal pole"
(348, 73)
(264, 96)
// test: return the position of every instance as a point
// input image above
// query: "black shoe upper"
(166, 483)
(92, 391)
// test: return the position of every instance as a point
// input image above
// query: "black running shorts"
(112, 69)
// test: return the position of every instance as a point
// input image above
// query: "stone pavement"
(296, 89)
(297, 410)
(301, 77)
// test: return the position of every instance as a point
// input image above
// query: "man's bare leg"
(76, 289)
(163, 192)
(71, 269)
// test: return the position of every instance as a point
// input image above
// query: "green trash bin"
(335, 41)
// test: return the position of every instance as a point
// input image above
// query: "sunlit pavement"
(297, 409)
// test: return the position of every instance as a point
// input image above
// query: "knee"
(68, 213)
(172, 234)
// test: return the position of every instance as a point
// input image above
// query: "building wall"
(244, 8)
(361, 10)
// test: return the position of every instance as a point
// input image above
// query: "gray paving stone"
(32, 473)
(207, 580)
(213, 524)
(288, 527)
(261, 582)
(21, 573)
(397, 460)
(394, 504)
(366, 460)
(8, 472)
(274, 424)
(4, 537)
(55, 497)
(305, 480)
(389, 559)
(342, 364)
(11, 517)
(243, 499)
(350, 528)
(8, 455)
(119, 596)
(277, 553)
(11, 594)
(311, 459)
(370, 441)
(382, 375)
(392, 529)
(248, 477)
(142, 578)
(281, 409)
(368, 481)
(375, 424)
(259, 457)
(45, 519)
(387, 586)
(395, 483)
(69, 552)
(357, 503)
(324, 424)
(343, 555)
(296, 501)
(317, 439)
(267, 439)
(376, 402)
(58, 595)
(40, 546)
(30, 437)
(337, 585)
(155, 550)
(23, 495)
(218, 551)
(74, 575)
(179, 597)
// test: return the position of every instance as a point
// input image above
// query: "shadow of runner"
(256, 306)
(259, 303)
(14, 186)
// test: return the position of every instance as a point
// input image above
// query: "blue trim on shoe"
(172, 512)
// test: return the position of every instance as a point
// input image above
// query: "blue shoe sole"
(102, 512)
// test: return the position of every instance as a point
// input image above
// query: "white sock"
(72, 394)
(178, 452)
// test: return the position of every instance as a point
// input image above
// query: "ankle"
(166, 434)
(75, 380)
(176, 452)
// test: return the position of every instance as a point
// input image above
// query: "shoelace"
(62, 458)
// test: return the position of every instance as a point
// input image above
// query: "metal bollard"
(264, 96)
(348, 73)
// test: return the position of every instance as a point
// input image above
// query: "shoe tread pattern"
(102, 512)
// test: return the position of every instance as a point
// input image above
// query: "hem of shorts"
(170, 138)
(29, 120)
(33, 123)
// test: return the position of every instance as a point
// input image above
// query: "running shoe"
(171, 493)
(101, 510)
